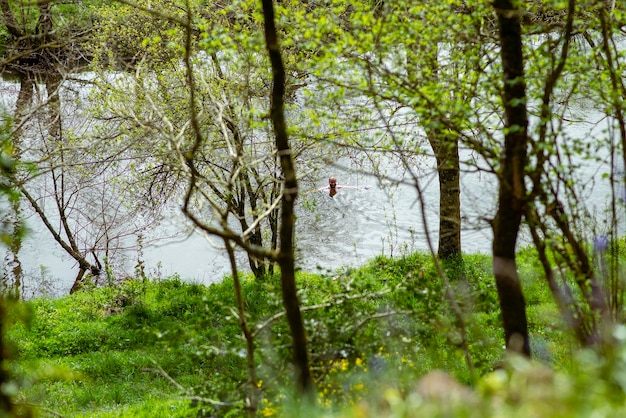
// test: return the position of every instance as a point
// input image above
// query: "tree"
(400, 73)
(237, 167)
(68, 189)
(199, 134)
(88, 216)
(285, 255)
(512, 189)
(44, 36)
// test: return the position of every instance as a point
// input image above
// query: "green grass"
(145, 348)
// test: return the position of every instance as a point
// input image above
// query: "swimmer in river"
(333, 187)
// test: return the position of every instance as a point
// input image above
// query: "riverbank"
(169, 348)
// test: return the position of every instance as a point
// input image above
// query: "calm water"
(345, 230)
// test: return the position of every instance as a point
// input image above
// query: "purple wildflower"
(600, 243)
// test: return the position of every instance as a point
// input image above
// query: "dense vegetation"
(168, 348)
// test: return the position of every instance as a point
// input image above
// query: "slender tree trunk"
(79, 281)
(286, 260)
(445, 146)
(511, 193)
(251, 404)
(69, 246)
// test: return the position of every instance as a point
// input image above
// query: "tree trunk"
(286, 260)
(511, 193)
(79, 281)
(44, 24)
(252, 403)
(446, 150)
(445, 146)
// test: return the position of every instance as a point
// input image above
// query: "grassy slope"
(139, 348)
(103, 349)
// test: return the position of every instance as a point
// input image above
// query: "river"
(332, 233)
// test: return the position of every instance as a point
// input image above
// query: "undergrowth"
(169, 348)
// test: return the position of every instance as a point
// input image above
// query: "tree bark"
(79, 281)
(445, 146)
(286, 259)
(446, 150)
(511, 193)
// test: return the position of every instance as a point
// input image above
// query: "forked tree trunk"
(511, 193)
